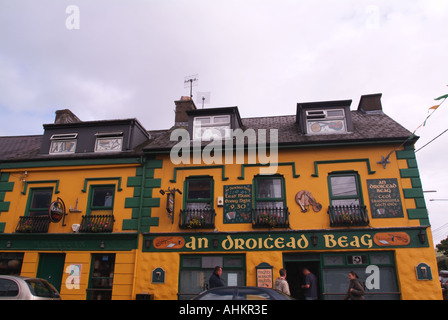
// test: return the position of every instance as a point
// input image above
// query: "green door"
(51, 268)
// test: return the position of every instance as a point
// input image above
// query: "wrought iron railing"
(342, 216)
(270, 218)
(33, 224)
(97, 223)
(197, 219)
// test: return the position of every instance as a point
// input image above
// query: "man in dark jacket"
(215, 279)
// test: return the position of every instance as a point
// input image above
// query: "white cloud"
(129, 59)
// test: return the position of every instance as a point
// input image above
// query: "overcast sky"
(129, 59)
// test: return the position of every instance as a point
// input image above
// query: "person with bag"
(355, 289)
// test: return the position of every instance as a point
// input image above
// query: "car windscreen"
(41, 289)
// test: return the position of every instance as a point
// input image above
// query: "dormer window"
(63, 143)
(107, 142)
(325, 121)
(208, 127)
(324, 118)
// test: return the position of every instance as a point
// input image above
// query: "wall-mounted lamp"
(421, 237)
(102, 245)
(314, 240)
(215, 243)
(148, 243)
(8, 244)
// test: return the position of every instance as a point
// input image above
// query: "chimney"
(371, 104)
(182, 106)
(65, 116)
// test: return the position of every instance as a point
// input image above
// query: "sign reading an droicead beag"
(385, 200)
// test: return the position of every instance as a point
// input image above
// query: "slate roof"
(368, 128)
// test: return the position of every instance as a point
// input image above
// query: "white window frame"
(63, 138)
(321, 121)
(100, 137)
(213, 123)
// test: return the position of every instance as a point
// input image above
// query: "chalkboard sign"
(385, 200)
(238, 203)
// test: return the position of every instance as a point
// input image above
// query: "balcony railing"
(342, 216)
(270, 218)
(197, 219)
(33, 224)
(97, 223)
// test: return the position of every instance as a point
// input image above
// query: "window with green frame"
(195, 272)
(198, 193)
(269, 192)
(344, 189)
(39, 201)
(101, 197)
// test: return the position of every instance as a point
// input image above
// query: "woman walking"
(355, 289)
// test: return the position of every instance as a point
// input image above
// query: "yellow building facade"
(339, 192)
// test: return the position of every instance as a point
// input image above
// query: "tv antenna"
(203, 97)
(191, 81)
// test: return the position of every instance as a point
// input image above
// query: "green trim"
(222, 167)
(5, 186)
(56, 190)
(416, 192)
(366, 160)
(142, 201)
(68, 162)
(292, 164)
(87, 180)
(69, 241)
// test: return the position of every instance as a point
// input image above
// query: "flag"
(434, 107)
(442, 97)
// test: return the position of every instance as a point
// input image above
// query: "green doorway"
(51, 268)
(294, 263)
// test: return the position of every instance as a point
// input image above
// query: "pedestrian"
(281, 284)
(215, 279)
(310, 285)
(355, 289)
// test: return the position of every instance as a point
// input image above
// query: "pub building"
(110, 210)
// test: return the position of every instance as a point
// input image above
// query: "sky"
(110, 59)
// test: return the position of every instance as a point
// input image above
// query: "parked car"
(24, 288)
(242, 293)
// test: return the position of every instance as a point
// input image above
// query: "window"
(112, 141)
(41, 288)
(102, 197)
(195, 272)
(199, 193)
(63, 143)
(11, 263)
(8, 288)
(346, 204)
(39, 201)
(269, 192)
(101, 277)
(270, 209)
(216, 127)
(344, 190)
(325, 121)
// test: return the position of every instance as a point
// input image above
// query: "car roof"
(18, 277)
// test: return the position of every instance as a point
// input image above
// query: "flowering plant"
(195, 222)
(268, 219)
